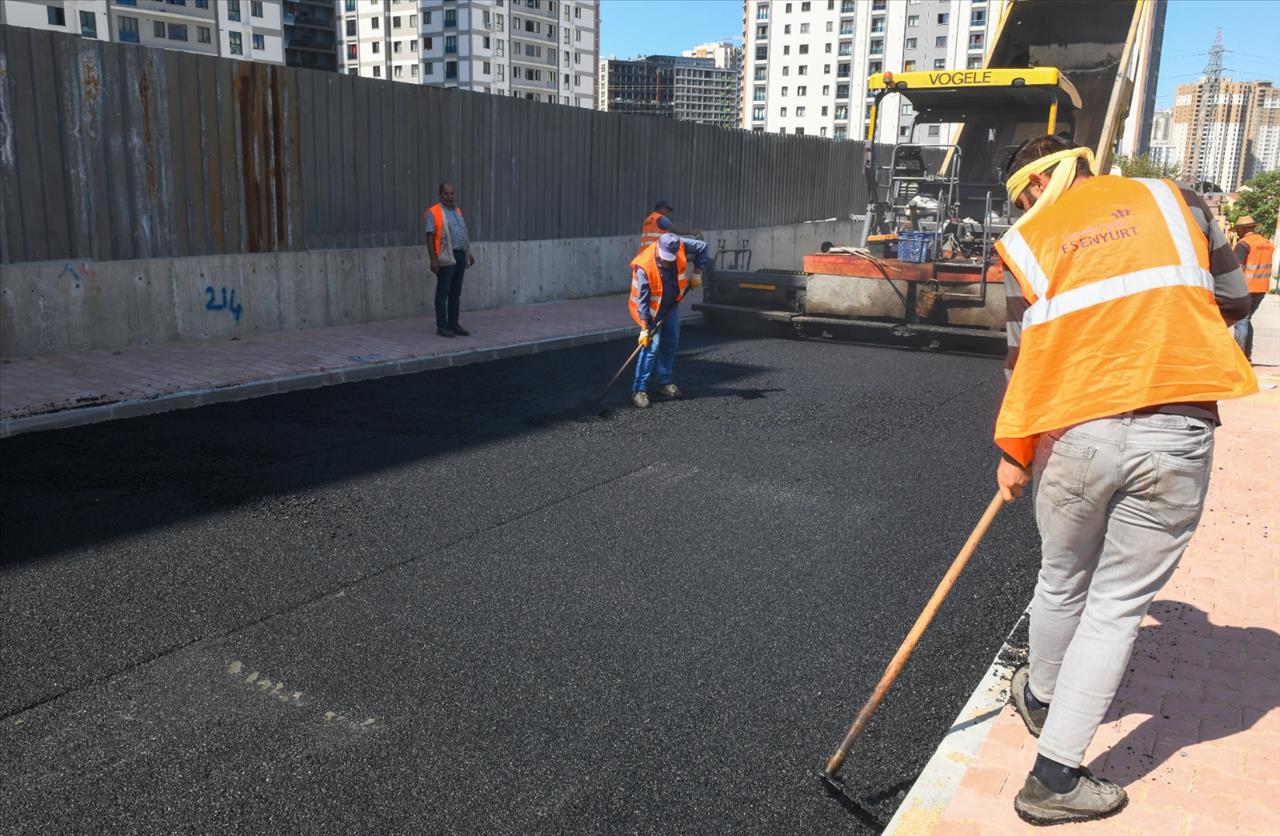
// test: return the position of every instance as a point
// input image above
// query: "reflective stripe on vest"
(1257, 265)
(437, 213)
(650, 232)
(647, 259)
(1121, 312)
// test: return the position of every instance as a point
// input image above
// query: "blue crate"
(915, 247)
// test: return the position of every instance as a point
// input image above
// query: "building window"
(978, 17)
(158, 28)
(939, 63)
(376, 47)
(944, 18)
(758, 95)
(396, 71)
(502, 48)
(875, 66)
(804, 29)
(450, 69)
(255, 8)
(351, 28)
(786, 49)
(842, 92)
(395, 22)
(451, 17)
(826, 90)
(910, 43)
(413, 71)
(57, 15)
(784, 90)
(786, 70)
(913, 20)
(233, 9)
(127, 29)
(451, 44)
(204, 34)
(782, 111)
(940, 42)
(841, 133)
(177, 31)
(377, 72)
(237, 44)
(413, 21)
(353, 52)
(757, 114)
(413, 45)
(975, 41)
(846, 27)
(804, 7)
(975, 62)
(762, 73)
(846, 48)
(903, 132)
(803, 69)
(89, 24)
(935, 130)
(804, 49)
(202, 4)
(485, 68)
(908, 66)
(846, 7)
(762, 53)
(877, 26)
(801, 91)
(842, 112)
(799, 131)
(799, 111)
(374, 22)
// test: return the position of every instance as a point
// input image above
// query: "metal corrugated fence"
(112, 151)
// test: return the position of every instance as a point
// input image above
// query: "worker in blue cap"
(658, 284)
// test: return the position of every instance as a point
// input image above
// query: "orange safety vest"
(1121, 312)
(648, 260)
(650, 232)
(1257, 267)
(437, 211)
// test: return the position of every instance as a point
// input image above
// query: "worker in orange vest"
(658, 283)
(1255, 254)
(1118, 290)
(658, 222)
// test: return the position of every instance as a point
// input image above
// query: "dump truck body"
(1055, 66)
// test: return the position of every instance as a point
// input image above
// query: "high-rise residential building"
(1160, 145)
(726, 55)
(676, 87)
(544, 50)
(310, 34)
(244, 29)
(806, 62)
(1225, 132)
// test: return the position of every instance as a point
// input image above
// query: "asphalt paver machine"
(922, 265)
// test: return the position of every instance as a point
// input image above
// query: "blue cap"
(668, 246)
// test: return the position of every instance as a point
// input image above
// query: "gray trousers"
(1116, 502)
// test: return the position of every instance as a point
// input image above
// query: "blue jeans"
(661, 352)
(1243, 330)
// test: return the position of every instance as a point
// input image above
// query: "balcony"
(128, 37)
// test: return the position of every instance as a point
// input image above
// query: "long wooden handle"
(913, 637)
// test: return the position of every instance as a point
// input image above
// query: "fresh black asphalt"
(460, 601)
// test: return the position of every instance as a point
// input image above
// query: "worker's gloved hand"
(645, 336)
(695, 279)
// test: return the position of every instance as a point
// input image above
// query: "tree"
(1144, 166)
(1260, 200)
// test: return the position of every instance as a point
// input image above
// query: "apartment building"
(691, 89)
(1225, 132)
(544, 50)
(310, 34)
(1160, 145)
(245, 29)
(806, 62)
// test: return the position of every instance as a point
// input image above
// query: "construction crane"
(922, 267)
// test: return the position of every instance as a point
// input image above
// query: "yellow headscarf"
(1061, 179)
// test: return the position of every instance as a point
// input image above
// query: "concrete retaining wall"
(55, 307)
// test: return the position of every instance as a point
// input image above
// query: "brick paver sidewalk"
(1194, 734)
(69, 389)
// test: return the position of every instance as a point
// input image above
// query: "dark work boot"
(1091, 798)
(1032, 711)
(445, 332)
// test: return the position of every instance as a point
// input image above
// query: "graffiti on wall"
(228, 301)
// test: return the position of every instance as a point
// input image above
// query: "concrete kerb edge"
(137, 407)
(922, 809)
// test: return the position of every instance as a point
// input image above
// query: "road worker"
(1254, 254)
(658, 284)
(1118, 292)
(658, 222)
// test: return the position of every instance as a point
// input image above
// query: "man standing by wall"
(659, 222)
(450, 253)
(1119, 353)
(1254, 254)
(657, 285)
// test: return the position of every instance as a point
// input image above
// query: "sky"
(1250, 33)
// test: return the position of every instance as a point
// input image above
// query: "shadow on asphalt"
(69, 488)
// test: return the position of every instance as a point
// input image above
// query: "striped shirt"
(1229, 291)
